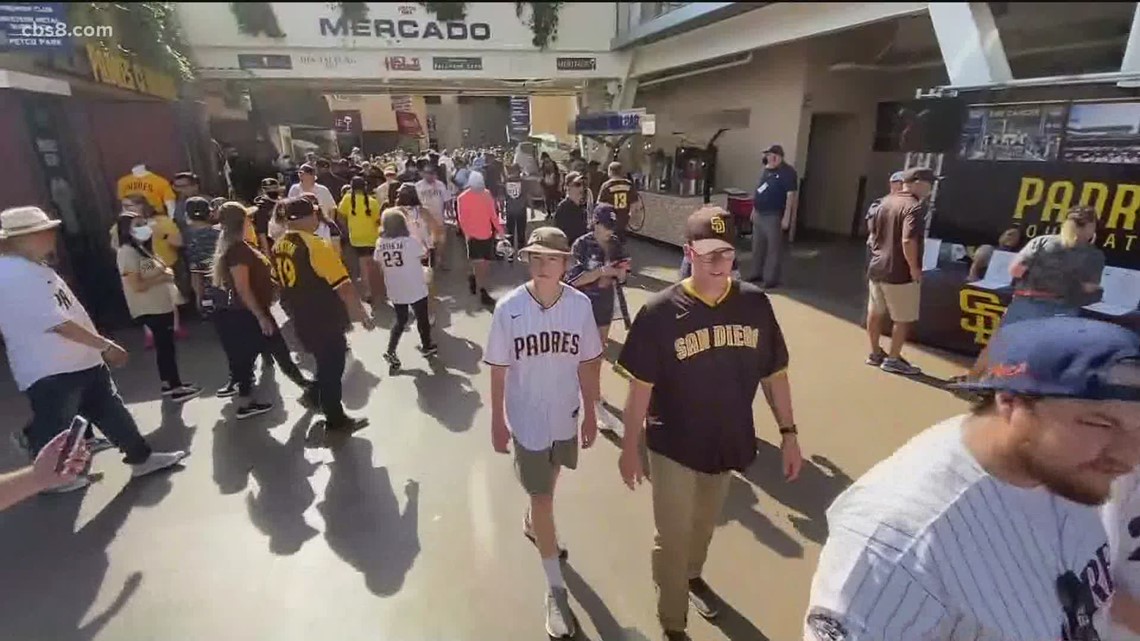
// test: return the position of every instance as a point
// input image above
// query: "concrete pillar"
(1131, 62)
(970, 43)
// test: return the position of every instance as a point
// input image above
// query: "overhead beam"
(971, 45)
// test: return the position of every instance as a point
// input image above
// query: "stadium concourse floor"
(410, 530)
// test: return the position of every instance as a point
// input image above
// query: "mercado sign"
(113, 69)
(405, 28)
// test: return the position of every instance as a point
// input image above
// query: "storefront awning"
(31, 82)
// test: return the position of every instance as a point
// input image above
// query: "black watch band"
(791, 429)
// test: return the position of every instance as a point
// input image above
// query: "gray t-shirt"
(1054, 268)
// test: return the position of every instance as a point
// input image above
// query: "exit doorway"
(832, 177)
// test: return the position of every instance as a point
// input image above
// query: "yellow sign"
(114, 69)
(981, 313)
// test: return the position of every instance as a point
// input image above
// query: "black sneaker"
(430, 350)
(876, 358)
(471, 283)
(393, 363)
(486, 298)
(183, 393)
(347, 426)
(704, 600)
(676, 635)
(231, 389)
(253, 409)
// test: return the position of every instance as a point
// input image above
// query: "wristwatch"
(789, 430)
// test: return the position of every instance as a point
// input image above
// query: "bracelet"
(790, 430)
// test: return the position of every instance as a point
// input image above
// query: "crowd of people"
(992, 536)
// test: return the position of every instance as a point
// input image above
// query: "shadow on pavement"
(363, 522)
(595, 607)
(447, 397)
(810, 495)
(358, 383)
(50, 585)
(735, 626)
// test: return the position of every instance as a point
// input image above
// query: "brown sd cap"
(547, 240)
(710, 229)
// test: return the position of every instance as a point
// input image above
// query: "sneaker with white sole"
(560, 622)
(899, 366)
(875, 359)
(97, 444)
(182, 393)
(78, 483)
(157, 461)
(607, 421)
(252, 409)
(231, 389)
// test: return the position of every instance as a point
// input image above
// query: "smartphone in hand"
(73, 442)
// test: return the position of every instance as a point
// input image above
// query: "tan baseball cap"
(547, 240)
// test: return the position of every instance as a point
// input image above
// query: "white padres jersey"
(1122, 520)
(929, 547)
(418, 225)
(542, 349)
(399, 259)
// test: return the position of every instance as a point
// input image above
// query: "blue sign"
(41, 25)
(520, 117)
(608, 123)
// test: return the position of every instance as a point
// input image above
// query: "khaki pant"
(686, 505)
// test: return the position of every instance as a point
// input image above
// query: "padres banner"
(978, 200)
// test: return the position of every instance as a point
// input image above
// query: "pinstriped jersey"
(1122, 520)
(928, 546)
(542, 348)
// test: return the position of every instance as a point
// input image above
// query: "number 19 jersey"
(310, 272)
(399, 258)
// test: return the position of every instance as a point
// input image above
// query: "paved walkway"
(411, 530)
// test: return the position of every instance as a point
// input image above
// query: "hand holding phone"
(64, 457)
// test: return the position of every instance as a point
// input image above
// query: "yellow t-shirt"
(364, 225)
(153, 187)
(167, 239)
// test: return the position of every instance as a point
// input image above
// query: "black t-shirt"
(620, 193)
(261, 217)
(570, 217)
(705, 363)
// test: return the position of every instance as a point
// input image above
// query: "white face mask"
(142, 234)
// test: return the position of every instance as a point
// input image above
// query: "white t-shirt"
(1124, 541)
(399, 259)
(927, 546)
(324, 196)
(542, 349)
(432, 196)
(418, 226)
(35, 300)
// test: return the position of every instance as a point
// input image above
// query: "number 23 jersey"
(399, 258)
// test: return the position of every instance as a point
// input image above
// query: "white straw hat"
(20, 221)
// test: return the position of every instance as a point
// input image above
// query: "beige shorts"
(900, 302)
(535, 469)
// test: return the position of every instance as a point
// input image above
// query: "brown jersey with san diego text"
(705, 360)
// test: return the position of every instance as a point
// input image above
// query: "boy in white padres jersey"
(543, 348)
(986, 525)
(398, 254)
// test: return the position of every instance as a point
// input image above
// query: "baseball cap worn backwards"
(896, 177)
(1076, 358)
(605, 215)
(547, 240)
(917, 174)
(709, 229)
(197, 208)
(297, 208)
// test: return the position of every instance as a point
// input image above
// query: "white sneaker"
(79, 483)
(560, 622)
(157, 461)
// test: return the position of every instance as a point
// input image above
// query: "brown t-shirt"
(620, 193)
(901, 217)
(261, 278)
(705, 363)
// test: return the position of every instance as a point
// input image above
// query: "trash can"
(740, 208)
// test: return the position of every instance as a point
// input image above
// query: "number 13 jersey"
(399, 258)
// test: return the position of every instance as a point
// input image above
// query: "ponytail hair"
(358, 185)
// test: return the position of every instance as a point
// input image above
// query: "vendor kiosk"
(1023, 165)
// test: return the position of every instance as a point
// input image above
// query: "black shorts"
(481, 249)
(603, 306)
(363, 252)
(428, 259)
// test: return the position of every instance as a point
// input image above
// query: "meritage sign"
(405, 28)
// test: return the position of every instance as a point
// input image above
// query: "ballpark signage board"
(413, 29)
(520, 117)
(576, 64)
(33, 25)
(402, 63)
(264, 61)
(456, 63)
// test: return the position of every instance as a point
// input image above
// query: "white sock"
(553, 569)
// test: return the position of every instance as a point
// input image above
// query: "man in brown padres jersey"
(322, 302)
(619, 192)
(695, 356)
